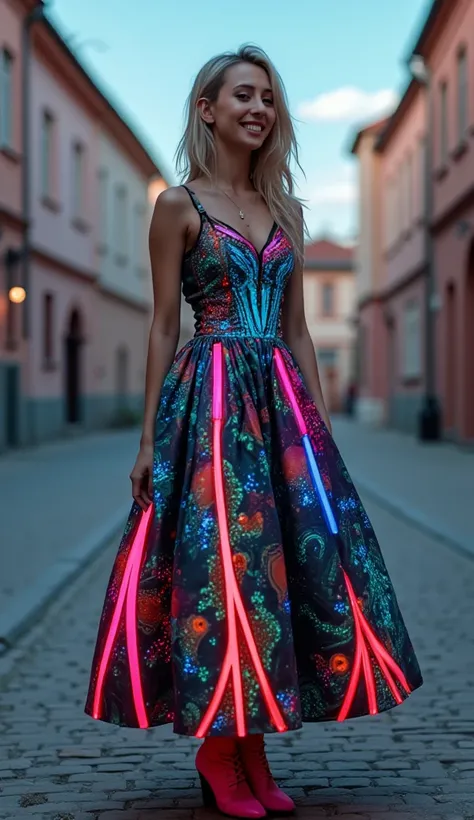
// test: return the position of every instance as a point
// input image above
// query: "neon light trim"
(234, 605)
(109, 644)
(127, 596)
(318, 485)
(131, 620)
(384, 661)
(281, 367)
(305, 440)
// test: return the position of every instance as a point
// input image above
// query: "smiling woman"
(249, 593)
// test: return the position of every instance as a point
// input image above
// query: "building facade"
(422, 208)
(88, 293)
(13, 349)
(329, 294)
(370, 366)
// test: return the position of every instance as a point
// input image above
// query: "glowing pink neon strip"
(380, 652)
(132, 566)
(367, 666)
(234, 603)
(274, 243)
(384, 660)
(109, 644)
(131, 619)
(290, 392)
(235, 235)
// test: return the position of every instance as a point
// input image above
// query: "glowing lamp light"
(17, 295)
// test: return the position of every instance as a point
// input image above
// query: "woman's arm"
(167, 240)
(297, 337)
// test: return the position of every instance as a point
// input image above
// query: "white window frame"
(443, 123)
(463, 93)
(331, 288)
(78, 179)
(121, 221)
(412, 329)
(47, 147)
(103, 186)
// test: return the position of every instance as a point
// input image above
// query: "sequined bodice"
(233, 289)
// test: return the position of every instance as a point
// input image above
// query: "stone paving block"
(114, 767)
(79, 751)
(349, 782)
(128, 814)
(310, 782)
(353, 765)
(419, 800)
(15, 764)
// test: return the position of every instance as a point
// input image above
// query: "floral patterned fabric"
(252, 596)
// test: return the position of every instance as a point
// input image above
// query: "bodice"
(232, 288)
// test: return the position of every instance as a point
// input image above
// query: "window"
(328, 299)
(48, 327)
(103, 183)
(121, 222)
(411, 361)
(421, 176)
(463, 98)
(78, 170)
(47, 136)
(409, 191)
(139, 238)
(6, 98)
(443, 123)
(327, 356)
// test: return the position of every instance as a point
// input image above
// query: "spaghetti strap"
(199, 208)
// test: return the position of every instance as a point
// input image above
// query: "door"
(13, 405)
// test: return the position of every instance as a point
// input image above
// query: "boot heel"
(208, 796)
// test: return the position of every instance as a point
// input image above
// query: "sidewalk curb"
(413, 516)
(23, 612)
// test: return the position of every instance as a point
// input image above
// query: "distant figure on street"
(351, 397)
(249, 594)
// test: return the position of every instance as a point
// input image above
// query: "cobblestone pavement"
(416, 761)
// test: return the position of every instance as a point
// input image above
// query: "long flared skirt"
(252, 595)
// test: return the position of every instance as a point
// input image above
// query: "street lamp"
(16, 292)
(429, 421)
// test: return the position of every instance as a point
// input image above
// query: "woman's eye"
(243, 96)
(268, 101)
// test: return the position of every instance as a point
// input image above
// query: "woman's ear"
(204, 108)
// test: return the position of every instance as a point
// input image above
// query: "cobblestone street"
(416, 761)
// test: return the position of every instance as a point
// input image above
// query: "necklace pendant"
(241, 214)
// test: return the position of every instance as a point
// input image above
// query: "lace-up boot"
(259, 776)
(223, 779)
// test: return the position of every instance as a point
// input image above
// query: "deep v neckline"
(213, 220)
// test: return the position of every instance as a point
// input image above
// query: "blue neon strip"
(318, 485)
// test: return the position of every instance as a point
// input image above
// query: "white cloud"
(333, 193)
(348, 104)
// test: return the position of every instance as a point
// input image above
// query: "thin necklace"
(241, 212)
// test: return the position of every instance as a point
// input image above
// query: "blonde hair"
(271, 175)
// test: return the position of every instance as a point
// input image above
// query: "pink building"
(12, 223)
(88, 289)
(392, 264)
(329, 287)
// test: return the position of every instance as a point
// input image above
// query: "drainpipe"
(429, 420)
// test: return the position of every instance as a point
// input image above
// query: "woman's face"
(243, 114)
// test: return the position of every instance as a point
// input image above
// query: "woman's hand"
(142, 477)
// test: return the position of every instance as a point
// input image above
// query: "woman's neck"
(232, 171)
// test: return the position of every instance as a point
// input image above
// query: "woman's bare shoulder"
(174, 198)
(173, 210)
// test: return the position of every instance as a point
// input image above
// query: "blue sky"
(342, 63)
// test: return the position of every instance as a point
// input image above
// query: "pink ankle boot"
(259, 776)
(223, 780)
